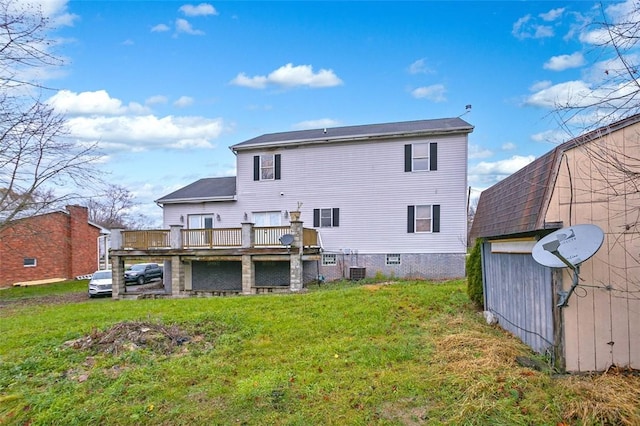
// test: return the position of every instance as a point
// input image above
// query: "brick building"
(53, 246)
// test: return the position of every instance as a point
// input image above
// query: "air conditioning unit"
(357, 273)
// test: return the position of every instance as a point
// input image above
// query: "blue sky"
(166, 87)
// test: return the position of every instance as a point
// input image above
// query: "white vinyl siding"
(367, 182)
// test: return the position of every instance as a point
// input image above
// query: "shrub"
(474, 275)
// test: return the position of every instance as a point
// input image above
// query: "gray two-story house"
(373, 199)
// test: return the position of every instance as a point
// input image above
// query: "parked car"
(142, 273)
(101, 283)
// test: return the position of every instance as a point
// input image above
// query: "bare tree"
(40, 167)
(114, 208)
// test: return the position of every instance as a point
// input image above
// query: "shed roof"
(518, 203)
(206, 189)
(354, 133)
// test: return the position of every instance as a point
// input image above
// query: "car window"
(102, 275)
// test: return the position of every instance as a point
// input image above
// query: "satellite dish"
(568, 247)
(286, 239)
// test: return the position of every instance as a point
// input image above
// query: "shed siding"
(519, 292)
(602, 321)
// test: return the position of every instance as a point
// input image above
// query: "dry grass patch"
(611, 398)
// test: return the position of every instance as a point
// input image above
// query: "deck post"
(116, 239)
(295, 257)
(248, 237)
(177, 277)
(248, 273)
(175, 236)
(118, 286)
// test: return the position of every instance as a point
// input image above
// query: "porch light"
(218, 217)
(181, 219)
(286, 214)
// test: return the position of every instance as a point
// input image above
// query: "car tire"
(141, 280)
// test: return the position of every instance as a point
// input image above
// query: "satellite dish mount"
(287, 240)
(568, 247)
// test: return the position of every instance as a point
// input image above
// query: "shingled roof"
(518, 203)
(207, 189)
(354, 133)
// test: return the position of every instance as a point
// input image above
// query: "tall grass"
(406, 353)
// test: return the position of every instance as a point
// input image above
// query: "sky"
(165, 87)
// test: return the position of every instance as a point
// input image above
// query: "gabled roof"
(355, 133)
(207, 189)
(518, 203)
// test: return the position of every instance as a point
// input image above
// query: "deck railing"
(210, 238)
(264, 236)
(143, 240)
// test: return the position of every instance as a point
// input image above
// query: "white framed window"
(420, 157)
(29, 262)
(326, 218)
(267, 167)
(200, 221)
(329, 259)
(393, 259)
(423, 218)
(267, 218)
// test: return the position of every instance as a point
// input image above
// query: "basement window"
(29, 262)
(393, 259)
(329, 259)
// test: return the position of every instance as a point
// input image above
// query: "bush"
(474, 275)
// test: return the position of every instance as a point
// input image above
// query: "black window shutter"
(336, 217)
(436, 218)
(407, 158)
(316, 218)
(256, 167)
(277, 166)
(411, 219)
(433, 156)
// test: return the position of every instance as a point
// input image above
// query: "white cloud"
(97, 117)
(553, 137)
(420, 67)
(540, 85)
(184, 27)
(563, 62)
(475, 151)
(508, 146)
(156, 100)
(160, 28)
(491, 172)
(98, 102)
(316, 124)
(139, 132)
(525, 27)
(54, 10)
(434, 93)
(203, 9)
(570, 92)
(552, 15)
(290, 76)
(183, 101)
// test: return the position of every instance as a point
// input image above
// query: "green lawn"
(343, 354)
